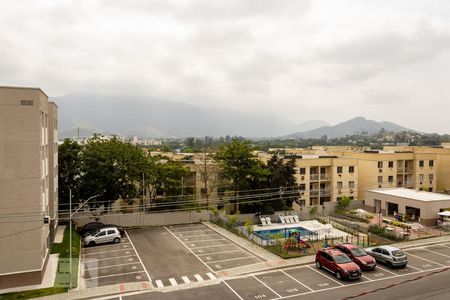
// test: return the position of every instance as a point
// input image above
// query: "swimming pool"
(283, 233)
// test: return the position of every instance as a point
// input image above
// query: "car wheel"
(116, 240)
(91, 244)
(338, 275)
(389, 264)
(318, 264)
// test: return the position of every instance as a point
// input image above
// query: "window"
(302, 187)
(431, 163)
(111, 232)
(339, 184)
(391, 179)
(351, 198)
(339, 170)
(351, 169)
(380, 165)
(430, 189)
(302, 203)
(421, 163)
(26, 102)
(302, 171)
(351, 184)
(421, 178)
(101, 233)
(391, 164)
(380, 179)
(430, 177)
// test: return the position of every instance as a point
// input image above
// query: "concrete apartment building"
(323, 178)
(28, 184)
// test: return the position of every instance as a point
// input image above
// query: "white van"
(103, 235)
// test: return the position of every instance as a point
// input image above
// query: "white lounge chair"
(268, 221)
(283, 221)
(291, 218)
(296, 219)
(287, 219)
(263, 221)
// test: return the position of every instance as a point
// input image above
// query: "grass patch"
(62, 275)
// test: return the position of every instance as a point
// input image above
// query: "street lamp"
(71, 214)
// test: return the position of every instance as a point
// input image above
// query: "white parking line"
(436, 252)
(198, 235)
(173, 282)
(211, 246)
(211, 276)
(185, 279)
(189, 231)
(111, 275)
(187, 227)
(366, 277)
(426, 259)
(159, 283)
(110, 266)
(190, 250)
(137, 254)
(386, 270)
(221, 252)
(219, 239)
(293, 278)
(100, 259)
(239, 296)
(324, 275)
(94, 253)
(229, 259)
(198, 277)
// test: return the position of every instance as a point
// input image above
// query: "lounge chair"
(296, 219)
(291, 218)
(268, 221)
(287, 219)
(263, 221)
(283, 221)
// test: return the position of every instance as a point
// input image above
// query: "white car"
(101, 236)
(391, 256)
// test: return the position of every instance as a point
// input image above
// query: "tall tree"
(111, 168)
(68, 172)
(238, 164)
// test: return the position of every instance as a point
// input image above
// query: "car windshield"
(397, 253)
(357, 252)
(342, 259)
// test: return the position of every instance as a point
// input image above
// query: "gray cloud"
(321, 59)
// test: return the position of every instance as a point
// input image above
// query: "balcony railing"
(314, 177)
(325, 176)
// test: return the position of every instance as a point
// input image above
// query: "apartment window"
(431, 163)
(351, 184)
(391, 179)
(430, 177)
(302, 171)
(421, 163)
(380, 165)
(26, 102)
(302, 202)
(339, 184)
(302, 187)
(351, 169)
(351, 198)
(430, 189)
(339, 170)
(421, 178)
(380, 179)
(391, 164)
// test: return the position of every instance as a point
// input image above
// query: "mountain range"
(85, 114)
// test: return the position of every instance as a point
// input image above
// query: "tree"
(240, 165)
(110, 168)
(344, 202)
(68, 172)
(209, 175)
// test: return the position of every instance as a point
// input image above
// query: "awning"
(444, 213)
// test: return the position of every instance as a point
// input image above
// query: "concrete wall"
(145, 219)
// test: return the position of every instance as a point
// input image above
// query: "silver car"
(101, 236)
(390, 256)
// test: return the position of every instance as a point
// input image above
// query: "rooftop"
(413, 194)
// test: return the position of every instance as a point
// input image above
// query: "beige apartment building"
(28, 184)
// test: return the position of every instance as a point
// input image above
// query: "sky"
(329, 60)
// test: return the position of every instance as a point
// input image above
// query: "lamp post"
(71, 214)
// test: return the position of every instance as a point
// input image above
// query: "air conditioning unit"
(302, 193)
(351, 191)
(339, 191)
(46, 219)
(380, 170)
(303, 177)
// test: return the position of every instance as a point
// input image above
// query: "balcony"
(325, 177)
(325, 193)
(314, 193)
(314, 177)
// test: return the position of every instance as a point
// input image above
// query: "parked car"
(102, 236)
(94, 226)
(337, 263)
(391, 256)
(358, 255)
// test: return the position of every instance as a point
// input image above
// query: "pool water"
(283, 233)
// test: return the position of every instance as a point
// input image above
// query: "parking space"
(308, 279)
(214, 250)
(111, 264)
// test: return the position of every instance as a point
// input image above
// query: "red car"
(358, 255)
(337, 263)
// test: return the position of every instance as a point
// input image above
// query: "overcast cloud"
(329, 60)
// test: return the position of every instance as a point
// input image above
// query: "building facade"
(28, 184)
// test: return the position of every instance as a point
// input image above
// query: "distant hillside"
(146, 117)
(353, 126)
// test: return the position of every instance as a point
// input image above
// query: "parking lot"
(111, 264)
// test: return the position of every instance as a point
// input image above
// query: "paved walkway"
(59, 234)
